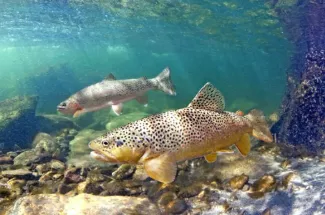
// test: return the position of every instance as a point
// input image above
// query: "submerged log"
(301, 128)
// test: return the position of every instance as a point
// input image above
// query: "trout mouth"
(109, 157)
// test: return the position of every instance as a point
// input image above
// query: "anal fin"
(244, 144)
(210, 158)
(143, 99)
(162, 168)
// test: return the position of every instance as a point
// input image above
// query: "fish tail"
(260, 127)
(164, 83)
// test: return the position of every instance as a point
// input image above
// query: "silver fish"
(112, 92)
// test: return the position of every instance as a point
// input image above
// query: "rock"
(82, 204)
(140, 174)
(57, 165)
(166, 198)
(29, 157)
(285, 164)
(79, 147)
(177, 206)
(73, 176)
(113, 188)
(190, 191)
(238, 182)
(18, 173)
(44, 142)
(5, 191)
(6, 160)
(64, 188)
(124, 171)
(262, 185)
(42, 168)
(18, 123)
(287, 179)
(54, 123)
(89, 187)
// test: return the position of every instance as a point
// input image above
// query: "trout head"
(69, 106)
(116, 148)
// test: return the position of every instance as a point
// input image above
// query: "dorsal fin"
(208, 98)
(110, 77)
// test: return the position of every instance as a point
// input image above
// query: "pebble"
(6, 160)
(18, 173)
(261, 186)
(167, 197)
(285, 164)
(176, 206)
(57, 165)
(287, 178)
(190, 191)
(73, 175)
(140, 174)
(42, 168)
(123, 172)
(64, 188)
(238, 182)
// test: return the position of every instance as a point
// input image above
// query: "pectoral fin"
(142, 99)
(78, 113)
(210, 158)
(117, 109)
(161, 168)
(244, 145)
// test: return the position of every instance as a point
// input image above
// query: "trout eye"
(104, 143)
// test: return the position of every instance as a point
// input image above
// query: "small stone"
(167, 197)
(73, 176)
(246, 187)
(88, 187)
(29, 157)
(113, 188)
(176, 206)
(238, 182)
(69, 137)
(57, 165)
(140, 174)
(262, 185)
(95, 176)
(322, 159)
(57, 176)
(285, 164)
(18, 173)
(46, 177)
(73, 132)
(64, 188)
(4, 191)
(42, 168)
(123, 172)
(190, 191)
(6, 160)
(287, 178)
(12, 154)
(225, 206)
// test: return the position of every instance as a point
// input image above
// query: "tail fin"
(164, 83)
(260, 128)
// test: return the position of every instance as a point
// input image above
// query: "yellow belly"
(195, 150)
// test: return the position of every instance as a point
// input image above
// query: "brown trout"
(201, 129)
(112, 92)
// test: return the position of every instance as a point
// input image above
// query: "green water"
(56, 49)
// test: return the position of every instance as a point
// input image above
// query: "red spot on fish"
(240, 113)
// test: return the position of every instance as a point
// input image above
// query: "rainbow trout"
(112, 92)
(201, 129)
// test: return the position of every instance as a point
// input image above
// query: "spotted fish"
(203, 128)
(112, 92)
